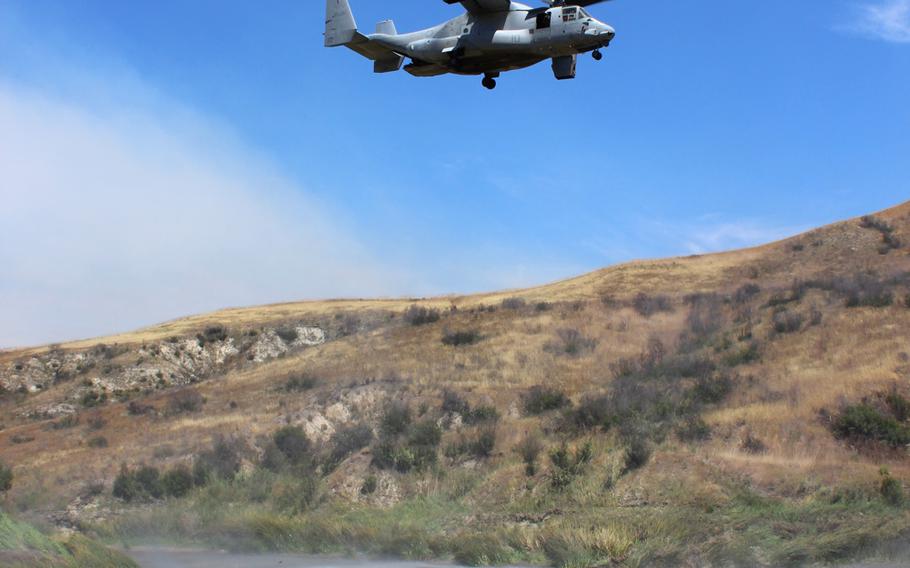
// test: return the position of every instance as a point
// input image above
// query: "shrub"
(97, 442)
(485, 442)
(591, 412)
(292, 441)
(347, 440)
(212, 334)
(143, 484)
(419, 315)
(459, 338)
(287, 334)
(567, 465)
(899, 406)
(865, 422)
(693, 429)
(705, 315)
(712, 390)
(6, 478)
(177, 482)
(540, 399)
(647, 305)
(136, 408)
(425, 434)
(785, 321)
(69, 421)
(746, 292)
(638, 452)
(299, 382)
(482, 414)
(185, 401)
(222, 461)
(743, 356)
(543, 306)
(125, 485)
(513, 303)
(295, 495)
(529, 449)
(873, 222)
(396, 418)
(570, 342)
(454, 403)
(370, 484)
(751, 444)
(93, 398)
(890, 489)
(864, 290)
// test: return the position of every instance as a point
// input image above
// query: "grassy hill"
(744, 408)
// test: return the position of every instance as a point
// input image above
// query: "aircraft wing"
(483, 6)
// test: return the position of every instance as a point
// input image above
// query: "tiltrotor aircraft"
(492, 37)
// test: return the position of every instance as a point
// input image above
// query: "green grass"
(23, 546)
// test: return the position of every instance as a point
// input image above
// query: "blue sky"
(164, 158)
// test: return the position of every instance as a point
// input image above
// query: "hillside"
(746, 408)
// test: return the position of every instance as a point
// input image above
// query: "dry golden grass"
(851, 354)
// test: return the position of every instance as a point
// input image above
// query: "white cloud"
(887, 20)
(116, 217)
(709, 235)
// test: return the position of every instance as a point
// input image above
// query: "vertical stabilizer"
(339, 23)
(387, 27)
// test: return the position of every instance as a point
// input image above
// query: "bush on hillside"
(396, 418)
(6, 478)
(143, 484)
(785, 321)
(346, 441)
(514, 303)
(419, 315)
(540, 399)
(299, 382)
(293, 443)
(177, 482)
(746, 292)
(647, 305)
(454, 403)
(570, 342)
(890, 489)
(567, 465)
(864, 422)
(185, 400)
(222, 461)
(529, 449)
(461, 338)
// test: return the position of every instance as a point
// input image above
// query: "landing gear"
(597, 55)
(489, 82)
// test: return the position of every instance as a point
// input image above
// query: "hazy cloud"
(887, 20)
(711, 235)
(118, 217)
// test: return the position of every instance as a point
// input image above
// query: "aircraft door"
(543, 26)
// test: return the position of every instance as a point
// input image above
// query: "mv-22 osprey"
(492, 37)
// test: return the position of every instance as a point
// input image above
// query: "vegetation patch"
(866, 423)
(540, 399)
(420, 315)
(461, 338)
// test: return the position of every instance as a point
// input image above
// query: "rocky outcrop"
(110, 370)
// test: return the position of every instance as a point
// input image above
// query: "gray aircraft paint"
(491, 37)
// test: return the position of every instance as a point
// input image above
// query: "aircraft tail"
(340, 27)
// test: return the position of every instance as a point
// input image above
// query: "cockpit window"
(582, 13)
(569, 14)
